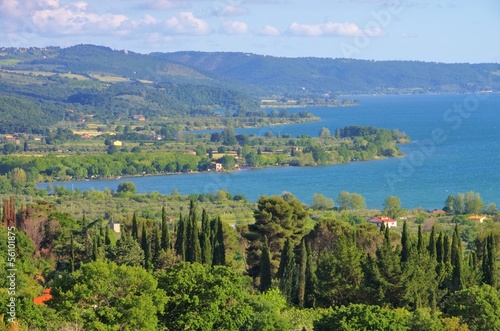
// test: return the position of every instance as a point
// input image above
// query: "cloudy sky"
(425, 30)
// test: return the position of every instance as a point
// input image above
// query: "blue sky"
(433, 30)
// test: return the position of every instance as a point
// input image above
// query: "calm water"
(455, 148)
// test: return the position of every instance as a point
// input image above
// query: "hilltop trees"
(103, 295)
(277, 218)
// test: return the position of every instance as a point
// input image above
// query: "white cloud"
(346, 29)
(78, 18)
(233, 10)
(187, 23)
(162, 4)
(234, 27)
(268, 30)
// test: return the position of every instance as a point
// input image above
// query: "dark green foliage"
(358, 317)
(457, 280)
(339, 273)
(265, 267)
(219, 248)
(301, 275)
(193, 248)
(146, 247)
(405, 244)
(135, 227)
(165, 233)
(277, 218)
(479, 307)
(311, 286)
(205, 242)
(20, 114)
(181, 238)
(286, 270)
(431, 248)
(420, 240)
(489, 261)
(127, 251)
(105, 296)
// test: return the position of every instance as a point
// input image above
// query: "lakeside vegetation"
(284, 265)
(202, 152)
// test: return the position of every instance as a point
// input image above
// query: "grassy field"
(9, 62)
(109, 79)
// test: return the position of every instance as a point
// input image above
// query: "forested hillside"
(344, 76)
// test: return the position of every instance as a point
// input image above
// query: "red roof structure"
(46, 296)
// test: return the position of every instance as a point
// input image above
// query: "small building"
(117, 227)
(477, 218)
(216, 166)
(117, 143)
(387, 221)
(139, 118)
(438, 212)
(46, 296)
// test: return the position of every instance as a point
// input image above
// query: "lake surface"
(455, 148)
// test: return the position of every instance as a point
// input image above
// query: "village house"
(387, 221)
(477, 218)
(117, 227)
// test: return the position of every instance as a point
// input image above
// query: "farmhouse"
(387, 221)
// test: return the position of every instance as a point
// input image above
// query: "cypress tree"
(180, 242)
(301, 276)
(219, 251)
(432, 243)
(405, 244)
(95, 249)
(193, 248)
(446, 249)
(165, 233)
(440, 248)
(286, 270)
(145, 247)
(457, 280)
(156, 246)
(311, 281)
(107, 239)
(265, 267)
(72, 253)
(488, 262)
(205, 242)
(420, 240)
(135, 228)
(286, 255)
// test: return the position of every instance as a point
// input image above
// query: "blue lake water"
(455, 148)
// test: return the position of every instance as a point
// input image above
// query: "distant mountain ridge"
(343, 76)
(261, 75)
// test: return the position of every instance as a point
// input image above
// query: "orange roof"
(384, 219)
(46, 296)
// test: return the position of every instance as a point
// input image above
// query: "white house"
(388, 222)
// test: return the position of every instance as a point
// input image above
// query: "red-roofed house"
(46, 296)
(388, 222)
